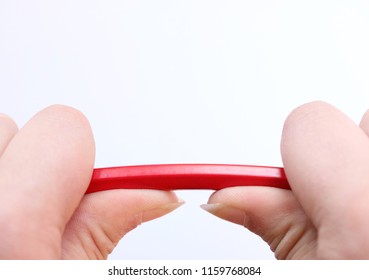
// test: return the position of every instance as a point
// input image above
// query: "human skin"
(45, 169)
(325, 214)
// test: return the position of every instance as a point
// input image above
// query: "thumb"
(103, 218)
(273, 214)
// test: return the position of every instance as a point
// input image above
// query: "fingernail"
(226, 212)
(161, 211)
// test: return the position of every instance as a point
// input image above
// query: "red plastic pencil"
(186, 176)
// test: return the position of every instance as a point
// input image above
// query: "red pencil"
(186, 176)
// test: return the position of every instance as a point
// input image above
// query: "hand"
(45, 169)
(325, 216)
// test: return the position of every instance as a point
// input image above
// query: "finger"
(44, 173)
(103, 218)
(273, 214)
(326, 159)
(364, 123)
(8, 129)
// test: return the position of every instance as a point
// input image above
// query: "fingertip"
(8, 128)
(160, 211)
(307, 108)
(71, 125)
(300, 116)
(226, 212)
(68, 117)
(8, 122)
(364, 123)
(252, 198)
(128, 204)
(65, 111)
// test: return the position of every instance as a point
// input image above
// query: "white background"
(184, 82)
